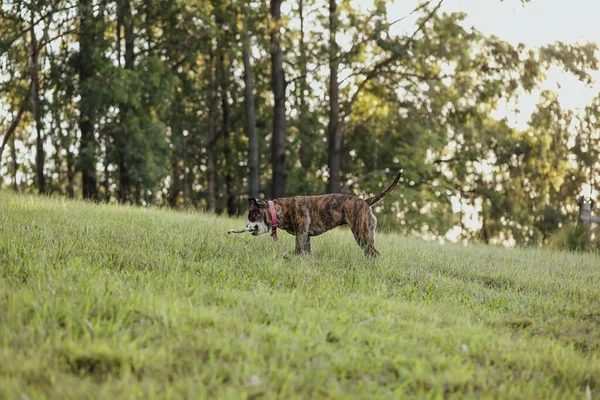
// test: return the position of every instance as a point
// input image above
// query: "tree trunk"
(185, 170)
(70, 174)
(253, 163)
(302, 112)
(15, 164)
(185, 184)
(334, 131)
(139, 195)
(278, 85)
(40, 154)
(125, 109)
(485, 233)
(174, 186)
(210, 169)
(227, 153)
(123, 180)
(87, 146)
(223, 67)
(212, 136)
(106, 182)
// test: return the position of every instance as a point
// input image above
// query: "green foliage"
(114, 301)
(420, 101)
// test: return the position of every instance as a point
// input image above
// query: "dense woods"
(199, 104)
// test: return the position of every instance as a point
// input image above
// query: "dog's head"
(257, 216)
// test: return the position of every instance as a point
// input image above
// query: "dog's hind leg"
(302, 237)
(364, 233)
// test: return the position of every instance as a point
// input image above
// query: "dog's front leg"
(307, 246)
(302, 242)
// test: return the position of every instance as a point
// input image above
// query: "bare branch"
(426, 20)
(408, 15)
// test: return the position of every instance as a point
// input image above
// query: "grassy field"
(115, 302)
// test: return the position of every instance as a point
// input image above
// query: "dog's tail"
(371, 201)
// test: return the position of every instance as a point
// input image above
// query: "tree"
(87, 144)
(36, 106)
(253, 161)
(212, 135)
(587, 145)
(279, 118)
(127, 118)
(334, 128)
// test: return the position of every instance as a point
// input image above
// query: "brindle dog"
(306, 216)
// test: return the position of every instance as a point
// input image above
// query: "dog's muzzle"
(258, 228)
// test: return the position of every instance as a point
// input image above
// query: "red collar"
(273, 220)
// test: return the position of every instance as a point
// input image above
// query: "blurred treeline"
(200, 104)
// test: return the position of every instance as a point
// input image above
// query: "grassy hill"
(114, 302)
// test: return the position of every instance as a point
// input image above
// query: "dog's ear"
(255, 202)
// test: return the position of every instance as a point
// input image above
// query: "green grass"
(114, 302)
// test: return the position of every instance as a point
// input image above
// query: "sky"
(537, 23)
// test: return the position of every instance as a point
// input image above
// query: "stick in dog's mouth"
(241, 230)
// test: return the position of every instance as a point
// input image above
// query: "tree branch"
(426, 20)
(447, 160)
(408, 15)
(50, 40)
(384, 63)
(12, 127)
(52, 11)
(456, 159)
